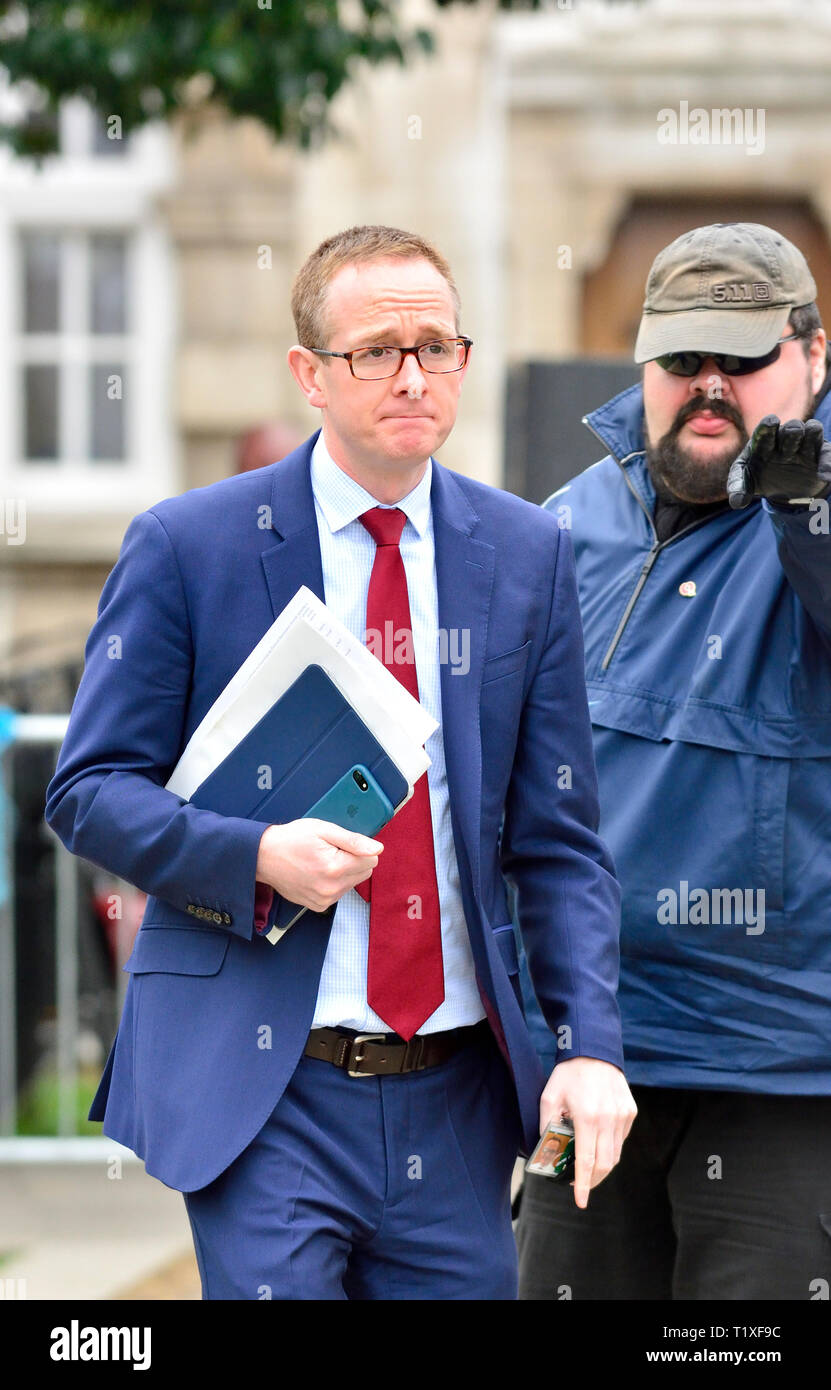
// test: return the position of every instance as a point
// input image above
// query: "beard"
(677, 474)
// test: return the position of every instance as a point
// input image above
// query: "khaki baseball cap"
(725, 288)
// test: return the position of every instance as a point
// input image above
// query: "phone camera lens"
(360, 779)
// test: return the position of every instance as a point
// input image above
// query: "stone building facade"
(549, 155)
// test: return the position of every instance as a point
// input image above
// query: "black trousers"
(718, 1195)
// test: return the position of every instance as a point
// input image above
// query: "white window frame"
(77, 192)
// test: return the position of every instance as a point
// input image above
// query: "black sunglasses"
(690, 363)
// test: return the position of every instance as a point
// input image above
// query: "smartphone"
(355, 802)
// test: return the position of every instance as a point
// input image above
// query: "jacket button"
(191, 908)
(226, 917)
(200, 912)
(217, 916)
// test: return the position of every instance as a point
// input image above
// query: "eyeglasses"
(690, 363)
(374, 363)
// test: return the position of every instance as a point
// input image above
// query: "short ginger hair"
(357, 244)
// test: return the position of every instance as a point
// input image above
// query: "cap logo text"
(741, 293)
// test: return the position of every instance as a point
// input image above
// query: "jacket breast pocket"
(500, 707)
(178, 951)
(506, 663)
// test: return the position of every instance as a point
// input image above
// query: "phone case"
(352, 807)
(347, 804)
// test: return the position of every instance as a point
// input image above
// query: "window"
(74, 343)
(87, 321)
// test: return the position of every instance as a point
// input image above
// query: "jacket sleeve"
(804, 546)
(567, 897)
(107, 801)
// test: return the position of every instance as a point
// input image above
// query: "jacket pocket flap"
(177, 951)
(506, 663)
(506, 942)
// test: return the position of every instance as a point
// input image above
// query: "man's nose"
(709, 381)
(410, 374)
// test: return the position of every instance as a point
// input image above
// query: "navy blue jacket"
(199, 579)
(708, 663)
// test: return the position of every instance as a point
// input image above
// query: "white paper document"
(306, 632)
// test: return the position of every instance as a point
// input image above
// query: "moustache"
(716, 406)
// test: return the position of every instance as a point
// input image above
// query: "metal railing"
(41, 730)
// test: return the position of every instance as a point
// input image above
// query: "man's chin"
(693, 468)
(411, 439)
(696, 486)
(692, 479)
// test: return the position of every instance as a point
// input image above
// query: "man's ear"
(817, 359)
(307, 370)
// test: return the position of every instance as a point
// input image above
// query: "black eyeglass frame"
(748, 364)
(405, 352)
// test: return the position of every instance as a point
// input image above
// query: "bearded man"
(704, 569)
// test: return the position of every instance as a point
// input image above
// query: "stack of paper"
(306, 632)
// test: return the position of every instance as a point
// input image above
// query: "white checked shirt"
(347, 553)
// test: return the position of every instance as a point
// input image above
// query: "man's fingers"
(585, 1156)
(348, 840)
(763, 443)
(549, 1112)
(814, 438)
(791, 439)
(606, 1152)
(740, 485)
(622, 1128)
(629, 1120)
(598, 1144)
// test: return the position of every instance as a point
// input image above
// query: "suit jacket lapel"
(295, 559)
(464, 578)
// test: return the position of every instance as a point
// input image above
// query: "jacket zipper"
(645, 568)
(657, 547)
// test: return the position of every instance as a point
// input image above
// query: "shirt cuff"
(263, 898)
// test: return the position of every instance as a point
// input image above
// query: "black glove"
(781, 462)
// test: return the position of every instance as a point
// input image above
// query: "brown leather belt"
(385, 1054)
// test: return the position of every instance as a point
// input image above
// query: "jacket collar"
(343, 500)
(619, 423)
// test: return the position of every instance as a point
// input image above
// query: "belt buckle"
(354, 1057)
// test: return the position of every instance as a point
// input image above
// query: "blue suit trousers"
(394, 1187)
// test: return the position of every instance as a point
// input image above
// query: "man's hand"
(595, 1097)
(313, 862)
(785, 463)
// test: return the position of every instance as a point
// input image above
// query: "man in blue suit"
(343, 1110)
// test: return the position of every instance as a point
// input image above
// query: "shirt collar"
(342, 499)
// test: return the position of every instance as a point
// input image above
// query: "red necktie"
(405, 973)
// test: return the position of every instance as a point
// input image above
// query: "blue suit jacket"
(215, 1018)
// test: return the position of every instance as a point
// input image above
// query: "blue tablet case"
(301, 747)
